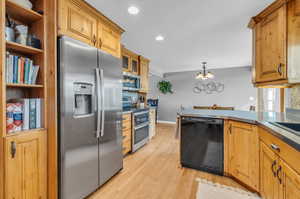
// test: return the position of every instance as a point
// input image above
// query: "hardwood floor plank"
(154, 172)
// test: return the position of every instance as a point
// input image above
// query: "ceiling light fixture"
(159, 38)
(204, 75)
(133, 10)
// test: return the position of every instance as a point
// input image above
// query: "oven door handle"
(141, 126)
(141, 113)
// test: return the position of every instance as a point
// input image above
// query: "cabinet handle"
(94, 40)
(100, 43)
(124, 136)
(275, 147)
(278, 174)
(13, 149)
(272, 168)
(279, 68)
(230, 128)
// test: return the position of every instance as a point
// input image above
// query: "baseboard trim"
(165, 122)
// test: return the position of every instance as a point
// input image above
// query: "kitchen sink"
(291, 127)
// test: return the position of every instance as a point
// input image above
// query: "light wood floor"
(154, 172)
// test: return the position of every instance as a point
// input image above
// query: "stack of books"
(20, 70)
(23, 114)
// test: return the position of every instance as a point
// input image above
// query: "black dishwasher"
(202, 144)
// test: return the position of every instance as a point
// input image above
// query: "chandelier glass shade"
(204, 75)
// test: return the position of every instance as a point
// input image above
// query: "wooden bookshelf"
(22, 48)
(22, 14)
(25, 85)
(41, 22)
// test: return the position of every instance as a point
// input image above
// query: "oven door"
(140, 136)
(141, 118)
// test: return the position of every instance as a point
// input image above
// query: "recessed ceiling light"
(133, 10)
(159, 38)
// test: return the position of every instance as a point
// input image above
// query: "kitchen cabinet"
(144, 73)
(26, 166)
(275, 40)
(244, 153)
(269, 186)
(109, 40)
(152, 120)
(130, 61)
(127, 133)
(79, 20)
(270, 46)
(289, 181)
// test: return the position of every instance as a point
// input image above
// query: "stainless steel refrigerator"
(90, 112)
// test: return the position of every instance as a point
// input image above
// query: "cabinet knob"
(94, 40)
(13, 149)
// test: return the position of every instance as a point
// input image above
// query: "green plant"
(165, 87)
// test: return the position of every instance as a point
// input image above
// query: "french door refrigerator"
(90, 112)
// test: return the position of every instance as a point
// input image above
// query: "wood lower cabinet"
(289, 180)
(26, 166)
(127, 133)
(152, 120)
(269, 186)
(144, 72)
(244, 153)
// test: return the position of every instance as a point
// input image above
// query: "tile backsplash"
(295, 97)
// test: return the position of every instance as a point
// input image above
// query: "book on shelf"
(23, 114)
(20, 70)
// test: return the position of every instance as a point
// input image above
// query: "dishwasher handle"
(202, 119)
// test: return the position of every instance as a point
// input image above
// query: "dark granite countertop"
(260, 118)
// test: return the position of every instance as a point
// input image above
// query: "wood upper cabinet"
(81, 21)
(26, 166)
(109, 40)
(144, 73)
(77, 22)
(289, 181)
(269, 186)
(270, 62)
(130, 61)
(276, 35)
(244, 153)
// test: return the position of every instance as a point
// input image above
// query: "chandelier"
(204, 75)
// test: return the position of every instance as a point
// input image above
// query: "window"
(270, 99)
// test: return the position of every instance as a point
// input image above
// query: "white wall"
(237, 93)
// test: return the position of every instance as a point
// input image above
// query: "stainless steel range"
(140, 123)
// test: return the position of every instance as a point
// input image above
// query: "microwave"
(131, 82)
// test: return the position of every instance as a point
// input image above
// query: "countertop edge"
(285, 136)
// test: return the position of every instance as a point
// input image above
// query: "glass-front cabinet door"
(135, 66)
(126, 63)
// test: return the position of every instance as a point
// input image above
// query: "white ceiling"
(195, 31)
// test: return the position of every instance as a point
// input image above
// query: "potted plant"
(165, 87)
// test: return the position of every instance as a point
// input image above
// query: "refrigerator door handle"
(98, 130)
(102, 100)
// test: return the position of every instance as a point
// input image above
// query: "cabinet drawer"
(285, 152)
(126, 125)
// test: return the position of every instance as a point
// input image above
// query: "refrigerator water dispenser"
(83, 95)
